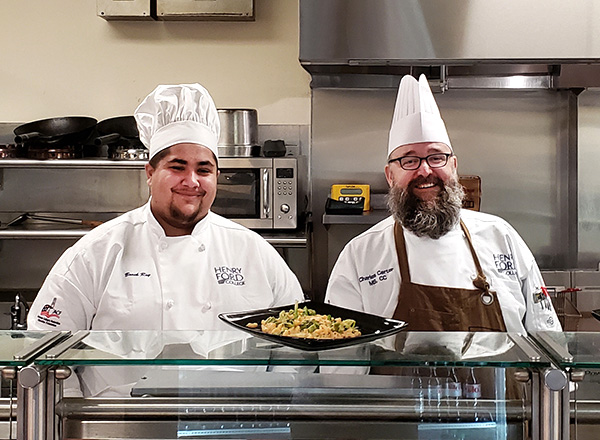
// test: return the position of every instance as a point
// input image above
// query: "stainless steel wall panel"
(72, 190)
(512, 140)
(589, 179)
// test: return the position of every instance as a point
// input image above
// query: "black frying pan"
(52, 131)
(116, 129)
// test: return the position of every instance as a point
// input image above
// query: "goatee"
(181, 219)
(432, 218)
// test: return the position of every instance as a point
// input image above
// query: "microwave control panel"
(285, 194)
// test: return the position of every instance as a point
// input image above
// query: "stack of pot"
(239, 133)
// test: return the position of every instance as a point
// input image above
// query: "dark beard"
(433, 218)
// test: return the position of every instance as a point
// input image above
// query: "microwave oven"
(258, 192)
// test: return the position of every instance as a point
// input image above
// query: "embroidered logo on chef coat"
(377, 276)
(505, 264)
(542, 298)
(229, 275)
(50, 315)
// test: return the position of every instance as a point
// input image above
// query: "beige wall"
(59, 58)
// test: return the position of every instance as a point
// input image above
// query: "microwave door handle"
(266, 192)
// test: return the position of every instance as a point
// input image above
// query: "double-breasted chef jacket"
(128, 275)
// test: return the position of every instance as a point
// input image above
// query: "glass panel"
(296, 402)
(238, 193)
(238, 348)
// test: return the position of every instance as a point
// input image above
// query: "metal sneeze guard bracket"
(525, 345)
(35, 348)
(70, 342)
(555, 349)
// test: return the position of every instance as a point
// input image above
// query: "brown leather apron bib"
(435, 308)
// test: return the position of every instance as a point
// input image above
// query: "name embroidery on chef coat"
(136, 274)
(374, 278)
(229, 275)
(505, 264)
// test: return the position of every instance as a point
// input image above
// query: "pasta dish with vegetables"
(306, 323)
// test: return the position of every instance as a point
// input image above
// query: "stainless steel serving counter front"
(151, 384)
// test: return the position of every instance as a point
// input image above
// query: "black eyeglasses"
(411, 163)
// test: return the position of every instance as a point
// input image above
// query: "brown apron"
(434, 308)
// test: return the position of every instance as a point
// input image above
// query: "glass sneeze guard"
(237, 348)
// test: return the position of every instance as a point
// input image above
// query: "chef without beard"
(432, 218)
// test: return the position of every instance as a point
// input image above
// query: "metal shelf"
(291, 240)
(366, 218)
(42, 234)
(73, 163)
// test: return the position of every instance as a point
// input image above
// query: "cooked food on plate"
(307, 323)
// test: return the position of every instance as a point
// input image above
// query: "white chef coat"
(366, 276)
(128, 275)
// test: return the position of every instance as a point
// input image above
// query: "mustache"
(189, 191)
(420, 180)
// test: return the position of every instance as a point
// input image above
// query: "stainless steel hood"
(465, 44)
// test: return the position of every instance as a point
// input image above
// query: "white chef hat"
(416, 116)
(174, 114)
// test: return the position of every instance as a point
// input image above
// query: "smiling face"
(183, 185)
(426, 200)
(425, 182)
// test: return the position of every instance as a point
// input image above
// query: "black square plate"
(371, 326)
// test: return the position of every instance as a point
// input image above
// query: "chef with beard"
(432, 264)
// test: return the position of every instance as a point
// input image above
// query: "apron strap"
(401, 252)
(480, 281)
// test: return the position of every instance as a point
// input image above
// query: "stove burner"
(8, 151)
(68, 152)
(130, 154)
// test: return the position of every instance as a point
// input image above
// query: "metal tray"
(372, 327)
